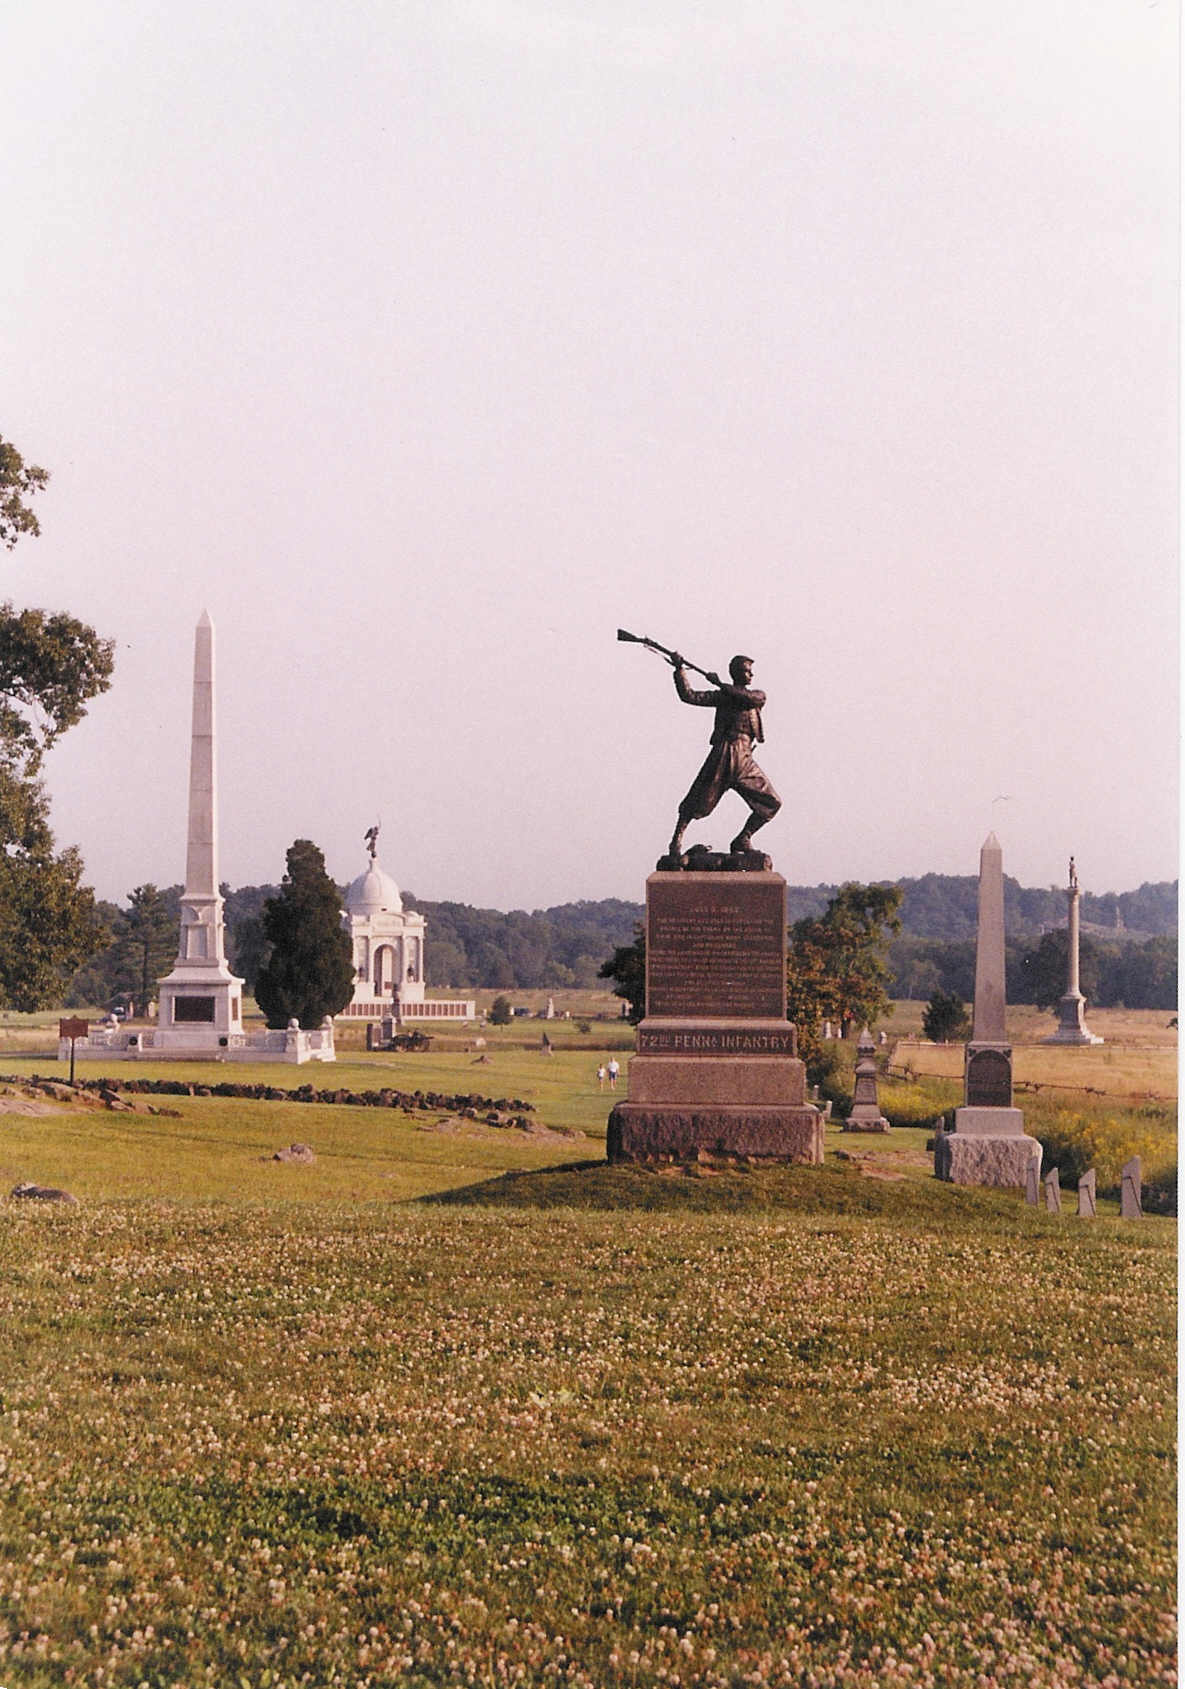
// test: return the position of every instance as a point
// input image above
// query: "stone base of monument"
(716, 1072)
(866, 1117)
(716, 1087)
(668, 1132)
(1072, 1027)
(988, 1146)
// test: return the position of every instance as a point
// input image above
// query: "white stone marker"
(1053, 1191)
(1131, 1206)
(1086, 1208)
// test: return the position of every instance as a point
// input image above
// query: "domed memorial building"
(388, 945)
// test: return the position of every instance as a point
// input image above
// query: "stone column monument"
(1072, 1027)
(201, 1000)
(989, 1145)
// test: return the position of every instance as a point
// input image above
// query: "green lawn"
(561, 1423)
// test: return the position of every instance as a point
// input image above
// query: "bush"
(1074, 1141)
(905, 1104)
(500, 1012)
(946, 1020)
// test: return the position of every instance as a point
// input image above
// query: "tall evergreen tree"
(309, 971)
(146, 940)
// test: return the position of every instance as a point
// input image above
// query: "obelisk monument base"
(1072, 1027)
(989, 1146)
(716, 1074)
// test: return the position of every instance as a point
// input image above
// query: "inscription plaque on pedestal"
(715, 945)
(988, 1078)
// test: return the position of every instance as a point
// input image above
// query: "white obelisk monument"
(1071, 1010)
(201, 1001)
(989, 1145)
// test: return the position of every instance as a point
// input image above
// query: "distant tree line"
(565, 946)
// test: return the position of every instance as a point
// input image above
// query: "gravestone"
(1086, 1195)
(1053, 1191)
(989, 1145)
(716, 1070)
(1131, 1206)
(1032, 1184)
(866, 1115)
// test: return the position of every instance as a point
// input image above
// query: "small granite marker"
(1130, 1205)
(1053, 1191)
(1086, 1208)
(866, 1114)
(1032, 1182)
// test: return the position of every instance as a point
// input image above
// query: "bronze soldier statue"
(729, 766)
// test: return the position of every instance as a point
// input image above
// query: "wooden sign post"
(73, 1029)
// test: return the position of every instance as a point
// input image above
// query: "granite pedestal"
(716, 1072)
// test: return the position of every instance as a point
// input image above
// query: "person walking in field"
(601, 1077)
(614, 1070)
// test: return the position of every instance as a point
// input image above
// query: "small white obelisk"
(201, 1001)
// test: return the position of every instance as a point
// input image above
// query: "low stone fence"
(409, 1101)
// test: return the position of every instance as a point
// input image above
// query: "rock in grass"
(295, 1152)
(29, 1192)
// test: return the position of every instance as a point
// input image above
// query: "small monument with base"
(989, 1145)
(866, 1113)
(717, 1074)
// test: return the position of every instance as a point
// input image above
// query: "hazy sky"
(424, 344)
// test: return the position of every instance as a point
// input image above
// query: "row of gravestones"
(1130, 1203)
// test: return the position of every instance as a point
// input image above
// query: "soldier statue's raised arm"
(729, 765)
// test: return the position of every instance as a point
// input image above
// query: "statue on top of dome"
(372, 840)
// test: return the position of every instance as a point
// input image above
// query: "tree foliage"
(946, 1020)
(501, 1013)
(1045, 969)
(18, 481)
(627, 969)
(309, 971)
(837, 968)
(51, 666)
(48, 926)
(145, 943)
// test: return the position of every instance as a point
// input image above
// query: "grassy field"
(458, 1404)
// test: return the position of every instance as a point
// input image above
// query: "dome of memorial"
(373, 893)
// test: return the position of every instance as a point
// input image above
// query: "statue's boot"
(744, 839)
(675, 848)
